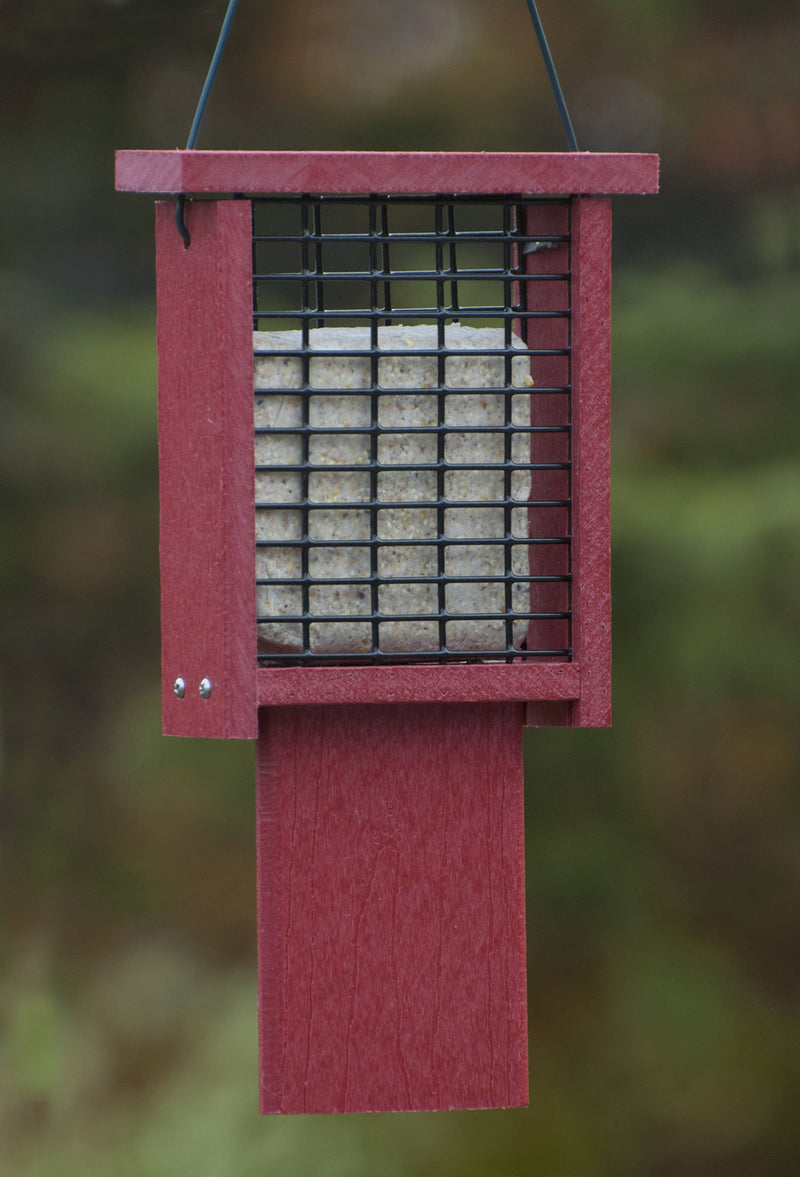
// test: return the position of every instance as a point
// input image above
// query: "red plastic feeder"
(384, 458)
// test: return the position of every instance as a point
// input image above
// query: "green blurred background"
(663, 865)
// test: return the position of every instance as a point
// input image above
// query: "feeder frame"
(390, 832)
(206, 447)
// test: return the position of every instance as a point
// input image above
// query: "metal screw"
(205, 688)
(179, 687)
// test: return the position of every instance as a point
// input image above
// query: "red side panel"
(549, 409)
(589, 372)
(591, 386)
(391, 908)
(206, 469)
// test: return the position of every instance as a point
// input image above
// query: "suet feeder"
(384, 479)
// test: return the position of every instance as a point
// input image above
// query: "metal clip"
(180, 221)
(539, 246)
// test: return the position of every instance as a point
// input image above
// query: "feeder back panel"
(205, 374)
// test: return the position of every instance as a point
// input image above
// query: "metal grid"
(413, 490)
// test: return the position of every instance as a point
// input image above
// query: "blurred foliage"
(663, 872)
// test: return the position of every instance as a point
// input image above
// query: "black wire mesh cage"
(412, 422)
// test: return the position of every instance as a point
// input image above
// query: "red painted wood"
(591, 383)
(544, 173)
(540, 713)
(391, 908)
(206, 469)
(455, 683)
(549, 409)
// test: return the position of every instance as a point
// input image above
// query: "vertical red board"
(591, 465)
(206, 469)
(549, 296)
(391, 908)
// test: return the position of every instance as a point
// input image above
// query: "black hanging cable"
(220, 49)
(194, 131)
(553, 76)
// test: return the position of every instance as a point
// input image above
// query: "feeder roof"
(580, 173)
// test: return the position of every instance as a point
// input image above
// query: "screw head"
(179, 687)
(205, 688)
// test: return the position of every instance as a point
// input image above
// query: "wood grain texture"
(551, 296)
(553, 409)
(455, 682)
(391, 908)
(252, 172)
(591, 386)
(206, 469)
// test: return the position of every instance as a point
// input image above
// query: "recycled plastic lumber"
(399, 172)
(391, 908)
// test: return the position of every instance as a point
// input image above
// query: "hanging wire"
(553, 76)
(220, 49)
(194, 131)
